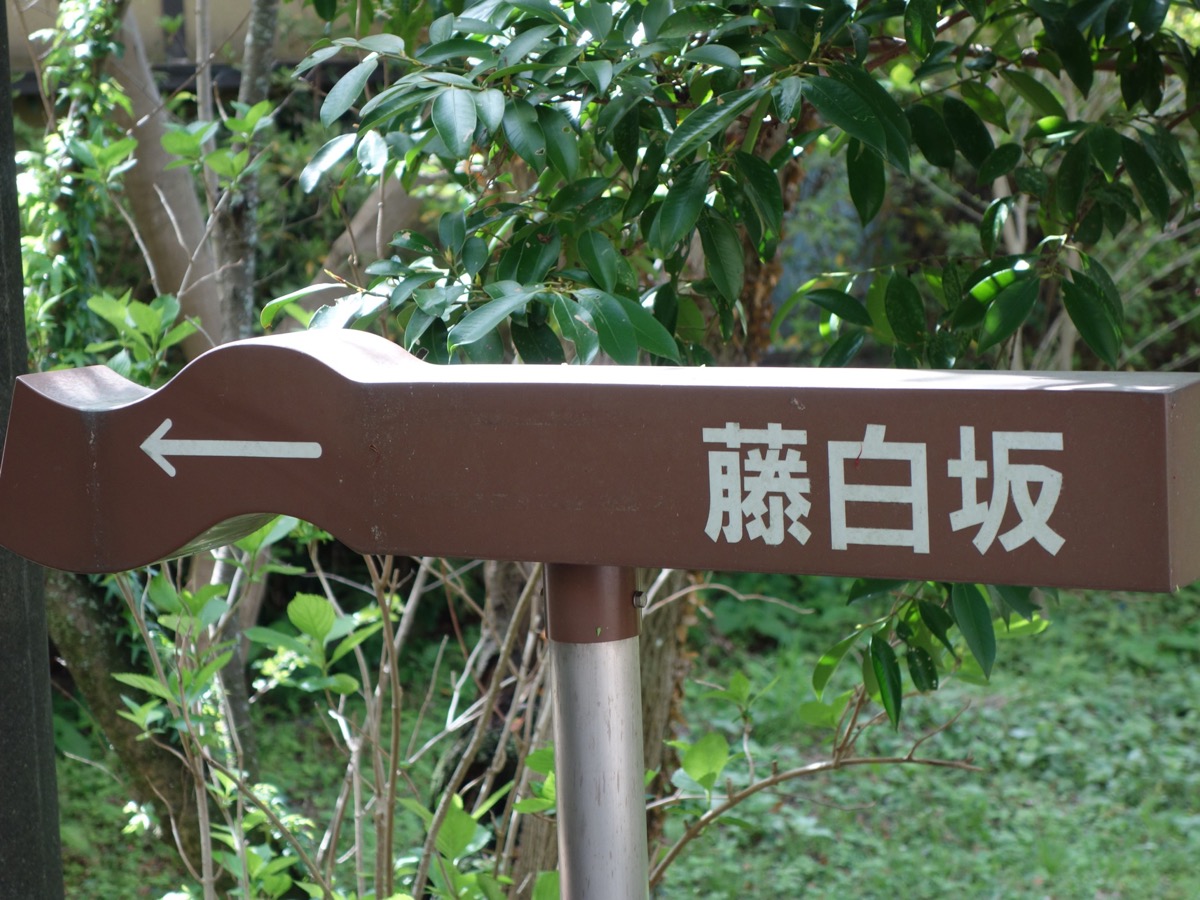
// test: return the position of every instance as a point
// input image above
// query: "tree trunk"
(165, 206)
(89, 635)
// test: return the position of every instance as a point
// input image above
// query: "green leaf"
(562, 144)
(973, 615)
(277, 640)
(922, 669)
(707, 121)
(147, 684)
(612, 325)
(844, 349)
(525, 134)
(985, 101)
(761, 185)
(1149, 15)
(932, 136)
(546, 887)
(969, 133)
(991, 226)
(704, 760)
(1018, 600)
(920, 26)
(905, 310)
(1093, 317)
(698, 18)
(598, 72)
(724, 260)
(1072, 48)
(842, 305)
(938, 621)
(1007, 312)
(454, 118)
(1073, 174)
(887, 675)
(489, 107)
(715, 55)
(324, 160)
(868, 184)
(312, 615)
(597, 17)
(1105, 144)
(999, 162)
(843, 106)
(1147, 179)
(681, 209)
(600, 258)
(482, 321)
(576, 325)
(648, 332)
(1033, 92)
(343, 94)
(372, 153)
(537, 344)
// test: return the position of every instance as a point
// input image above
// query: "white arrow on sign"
(158, 448)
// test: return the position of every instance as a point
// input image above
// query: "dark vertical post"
(596, 684)
(30, 862)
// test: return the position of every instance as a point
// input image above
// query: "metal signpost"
(1049, 479)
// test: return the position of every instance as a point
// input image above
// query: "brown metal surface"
(590, 604)
(850, 472)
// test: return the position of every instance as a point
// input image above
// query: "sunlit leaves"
(346, 91)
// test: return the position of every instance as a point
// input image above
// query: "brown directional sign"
(1071, 480)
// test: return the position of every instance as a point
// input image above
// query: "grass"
(1088, 736)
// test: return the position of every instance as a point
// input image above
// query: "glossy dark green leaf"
(600, 258)
(905, 310)
(761, 185)
(681, 209)
(787, 95)
(346, 91)
(562, 143)
(489, 107)
(869, 588)
(482, 321)
(452, 231)
(613, 328)
(1092, 317)
(1164, 147)
(922, 669)
(938, 621)
(326, 9)
(844, 107)
(968, 131)
(1008, 312)
(896, 129)
(525, 134)
(1043, 100)
(986, 103)
(868, 184)
(1149, 15)
(575, 325)
(537, 344)
(325, 159)
(724, 259)
(474, 255)
(1072, 48)
(932, 136)
(830, 660)
(596, 16)
(991, 226)
(973, 615)
(715, 55)
(599, 72)
(920, 26)
(1099, 276)
(842, 305)
(1105, 144)
(1072, 178)
(887, 676)
(1019, 600)
(999, 162)
(844, 349)
(708, 120)
(1144, 173)
(699, 18)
